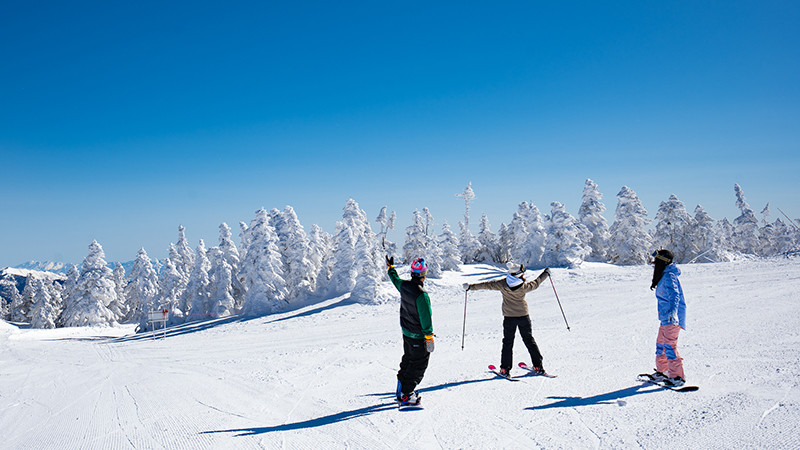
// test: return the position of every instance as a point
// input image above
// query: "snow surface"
(323, 376)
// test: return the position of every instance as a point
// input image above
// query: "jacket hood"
(672, 268)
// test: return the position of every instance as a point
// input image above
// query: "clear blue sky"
(121, 120)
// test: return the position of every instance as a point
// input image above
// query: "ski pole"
(464, 328)
(559, 303)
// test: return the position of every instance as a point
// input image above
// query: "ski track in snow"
(323, 376)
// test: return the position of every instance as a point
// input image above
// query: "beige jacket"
(514, 304)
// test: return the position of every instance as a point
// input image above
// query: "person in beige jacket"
(515, 313)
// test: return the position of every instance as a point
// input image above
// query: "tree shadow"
(310, 423)
(601, 399)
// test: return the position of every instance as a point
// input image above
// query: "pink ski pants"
(668, 360)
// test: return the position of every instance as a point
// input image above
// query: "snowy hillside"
(323, 376)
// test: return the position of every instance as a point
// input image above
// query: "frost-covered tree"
(68, 293)
(141, 292)
(220, 302)
(386, 225)
(416, 239)
(704, 237)
(320, 253)
(673, 230)
(590, 215)
(196, 299)
(745, 237)
(530, 250)
(724, 231)
(46, 304)
(448, 244)
(171, 286)
(367, 288)
(120, 306)
(185, 260)
(9, 295)
(262, 269)
(94, 291)
(232, 257)
(21, 304)
(295, 247)
(468, 243)
(490, 249)
(515, 236)
(566, 239)
(504, 242)
(354, 224)
(629, 242)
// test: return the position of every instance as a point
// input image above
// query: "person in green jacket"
(417, 326)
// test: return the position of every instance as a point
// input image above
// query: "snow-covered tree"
(185, 260)
(490, 249)
(704, 238)
(120, 306)
(196, 299)
(468, 243)
(590, 215)
(354, 224)
(724, 232)
(320, 253)
(94, 291)
(295, 247)
(566, 239)
(9, 295)
(504, 244)
(141, 291)
(629, 242)
(530, 250)
(233, 258)
(745, 227)
(673, 230)
(68, 293)
(171, 286)
(367, 288)
(448, 245)
(220, 301)
(386, 225)
(515, 236)
(416, 239)
(21, 304)
(262, 269)
(46, 304)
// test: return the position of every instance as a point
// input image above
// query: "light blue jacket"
(671, 305)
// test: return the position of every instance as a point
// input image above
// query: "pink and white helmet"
(419, 268)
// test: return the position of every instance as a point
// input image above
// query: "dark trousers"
(510, 325)
(413, 364)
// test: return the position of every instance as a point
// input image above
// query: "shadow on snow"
(601, 399)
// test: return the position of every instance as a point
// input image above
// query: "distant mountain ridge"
(63, 268)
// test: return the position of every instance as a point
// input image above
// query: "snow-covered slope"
(323, 376)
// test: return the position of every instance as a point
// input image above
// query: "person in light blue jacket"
(672, 315)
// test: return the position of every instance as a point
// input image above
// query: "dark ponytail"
(661, 259)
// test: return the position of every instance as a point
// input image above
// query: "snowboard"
(522, 365)
(496, 371)
(648, 379)
(403, 406)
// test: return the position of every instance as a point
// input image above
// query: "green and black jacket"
(415, 307)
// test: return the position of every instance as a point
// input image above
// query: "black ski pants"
(413, 364)
(510, 325)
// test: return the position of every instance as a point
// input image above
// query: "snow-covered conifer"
(530, 251)
(416, 239)
(233, 258)
(46, 304)
(386, 225)
(629, 242)
(448, 244)
(320, 253)
(724, 231)
(9, 294)
(141, 292)
(94, 291)
(354, 224)
(745, 227)
(504, 243)
(490, 250)
(673, 230)
(68, 295)
(704, 237)
(295, 247)
(120, 306)
(367, 288)
(566, 239)
(185, 262)
(262, 269)
(590, 215)
(196, 298)
(220, 301)
(171, 286)
(18, 305)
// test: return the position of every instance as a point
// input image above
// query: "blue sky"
(120, 121)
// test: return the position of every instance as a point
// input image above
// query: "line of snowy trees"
(278, 264)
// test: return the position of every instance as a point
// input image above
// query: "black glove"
(390, 261)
